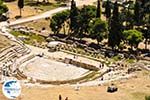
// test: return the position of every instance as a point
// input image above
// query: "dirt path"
(51, 12)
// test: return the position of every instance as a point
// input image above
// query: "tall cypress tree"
(115, 31)
(137, 12)
(73, 16)
(98, 12)
(20, 5)
(107, 9)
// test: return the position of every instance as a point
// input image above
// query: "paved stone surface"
(45, 69)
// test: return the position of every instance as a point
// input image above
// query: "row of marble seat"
(13, 51)
(9, 55)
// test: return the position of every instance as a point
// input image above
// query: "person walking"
(66, 98)
(60, 98)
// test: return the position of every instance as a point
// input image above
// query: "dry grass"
(14, 11)
(29, 10)
(39, 24)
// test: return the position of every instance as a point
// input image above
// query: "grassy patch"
(43, 6)
(39, 24)
(116, 58)
(31, 37)
(15, 33)
(130, 60)
(49, 7)
(92, 76)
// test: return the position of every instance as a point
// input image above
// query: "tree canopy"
(74, 11)
(3, 8)
(98, 29)
(20, 5)
(58, 20)
(98, 12)
(133, 37)
(119, 26)
(108, 9)
(147, 97)
(115, 28)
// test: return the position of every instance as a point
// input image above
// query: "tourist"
(66, 98)
(77, 88)
(102, 78)
(60, 98)
(74, 56)
(100, 66)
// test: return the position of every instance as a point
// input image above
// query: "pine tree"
(20, 5)
(115, 31)
(98, 12)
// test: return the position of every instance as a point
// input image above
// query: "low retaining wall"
(80, 64)
(75, 63)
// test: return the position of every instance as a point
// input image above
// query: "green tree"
(144, 2)
(133, 37)
(85, 16)
(73, 17)
(127, 15)
(79, 24)
(137, 12)
(146, 34)
(20, 5)
(115, 29)
(146, 11)
(3, 8)
(107, 9)
(58, 21)
(147, 97)
(98, 29)
(98, 12)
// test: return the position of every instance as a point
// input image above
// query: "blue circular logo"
(11, 89)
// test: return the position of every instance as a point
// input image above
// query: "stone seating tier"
(9, 54)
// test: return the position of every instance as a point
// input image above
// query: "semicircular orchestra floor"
(45, 69)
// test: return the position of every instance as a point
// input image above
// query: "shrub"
(147, 97)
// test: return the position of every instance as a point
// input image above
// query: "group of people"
(101, 65)
(60, 97)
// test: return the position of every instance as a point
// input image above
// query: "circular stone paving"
(45, 69)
